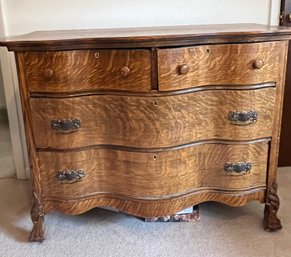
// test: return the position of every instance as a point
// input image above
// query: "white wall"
(23, 16)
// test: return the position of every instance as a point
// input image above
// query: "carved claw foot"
(271, 221)
(37, 217)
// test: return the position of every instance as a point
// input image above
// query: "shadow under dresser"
(152, 120)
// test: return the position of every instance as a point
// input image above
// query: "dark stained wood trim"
(157, 150)
(154, 69)
(72, 45)
(271, 222)
(153, 93)
(146, 37)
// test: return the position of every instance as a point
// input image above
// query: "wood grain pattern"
(275, 143)
(271, 221)
(149, 209)
(153, 175)
(37, 217)
(74, 71)
(37, 211)
(152, 121)
(220, 64)
(161, 175)
(145, 37)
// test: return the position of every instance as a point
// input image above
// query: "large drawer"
(150, 175)
(85, 70)
(187, 67)
(151, 121)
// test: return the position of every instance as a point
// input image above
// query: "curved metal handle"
(239, 168)
(70, 176)
(243, 118)
(66, 126)
(183, 69)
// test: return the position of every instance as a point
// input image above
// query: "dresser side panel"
(32, 154)
(275, 143)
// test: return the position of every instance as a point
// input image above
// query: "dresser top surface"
(145, 36)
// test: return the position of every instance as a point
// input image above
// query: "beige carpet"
(222, 231)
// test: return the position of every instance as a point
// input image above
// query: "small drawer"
(85, 70)
(153, 175)
(150, 122)
(181, 68)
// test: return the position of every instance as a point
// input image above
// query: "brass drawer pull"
(66, 126)
(125, 71)
(243, 118)
(258, 64)
(70, 176)
(183, 69)
(239, 168)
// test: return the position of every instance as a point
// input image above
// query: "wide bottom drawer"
(68, 175)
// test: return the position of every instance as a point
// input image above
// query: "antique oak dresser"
(152, 120)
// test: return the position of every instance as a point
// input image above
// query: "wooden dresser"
(152, 120)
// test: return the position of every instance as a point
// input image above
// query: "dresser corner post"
(271, 222)
(37, 217)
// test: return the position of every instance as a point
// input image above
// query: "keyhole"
(155, 157)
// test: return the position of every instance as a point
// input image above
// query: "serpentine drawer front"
(152, 120)
(188, 169)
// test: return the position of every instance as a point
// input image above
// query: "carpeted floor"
(222, 231)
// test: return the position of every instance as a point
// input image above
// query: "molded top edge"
(145, 37)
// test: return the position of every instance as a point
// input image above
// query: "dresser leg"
(37, 217)
(271, 221)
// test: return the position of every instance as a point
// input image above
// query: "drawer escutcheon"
(66, 126)
(239, 168)
(243, 118)
(70, 176)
